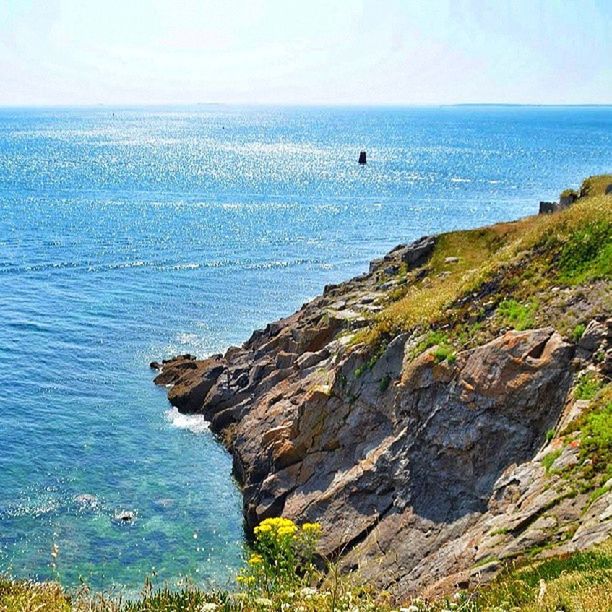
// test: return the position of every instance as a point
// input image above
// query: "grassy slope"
(520, 261)
(510, 275)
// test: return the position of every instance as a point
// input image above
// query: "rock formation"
(425, 473)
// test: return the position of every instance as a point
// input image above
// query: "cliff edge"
(441, 414)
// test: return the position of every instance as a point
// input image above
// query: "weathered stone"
(567, 459)
(596, 525)
(416, 469)
(307, 360)
(594, 336)
(190, 390)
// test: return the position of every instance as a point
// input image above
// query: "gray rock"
(567, 459)
(594, 336)
(125, 516)
(307, 360)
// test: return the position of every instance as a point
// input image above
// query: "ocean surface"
(132, 234)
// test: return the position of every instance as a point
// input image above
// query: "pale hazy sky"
(307, 51)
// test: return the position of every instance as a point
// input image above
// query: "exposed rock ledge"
(424, 475)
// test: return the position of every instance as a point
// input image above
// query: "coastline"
(409, 410)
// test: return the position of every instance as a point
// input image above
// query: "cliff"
(441, 414)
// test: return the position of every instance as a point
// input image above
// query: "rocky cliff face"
(426, 470)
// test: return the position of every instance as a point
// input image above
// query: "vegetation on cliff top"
(507, 274)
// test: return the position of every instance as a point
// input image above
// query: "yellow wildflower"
(255, 559)
(312, 528)
(247, 580)
(275, 524)
(288, 530)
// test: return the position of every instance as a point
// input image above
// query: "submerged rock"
(125, 516)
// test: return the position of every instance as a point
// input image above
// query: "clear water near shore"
(127, 235)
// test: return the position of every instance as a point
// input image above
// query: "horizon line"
(92, 105)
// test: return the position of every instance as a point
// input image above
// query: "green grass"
(511, 266)
(573, 582)
(578, 332)
(550, 458)
(588, 386)
(517, 315)
(188, 599)
(587, 254)
(432, 338)
(21, 595)
(596, 440)
(577, 582)
(444, 353)
(592, 434)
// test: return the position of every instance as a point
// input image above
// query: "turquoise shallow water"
(127, 235)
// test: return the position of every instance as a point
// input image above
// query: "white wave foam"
(195, 423)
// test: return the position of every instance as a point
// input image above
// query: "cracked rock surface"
(424, 475)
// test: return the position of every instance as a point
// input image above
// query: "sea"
(131, 234)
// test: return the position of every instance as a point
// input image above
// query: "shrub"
(282, 558)
(566, 193)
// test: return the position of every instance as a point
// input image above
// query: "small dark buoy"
(362, 157)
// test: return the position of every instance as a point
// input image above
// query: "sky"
(84, 52)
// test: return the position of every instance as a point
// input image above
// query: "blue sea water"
(131, 234)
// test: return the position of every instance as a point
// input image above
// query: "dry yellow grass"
(31, 596)
(482, 254)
